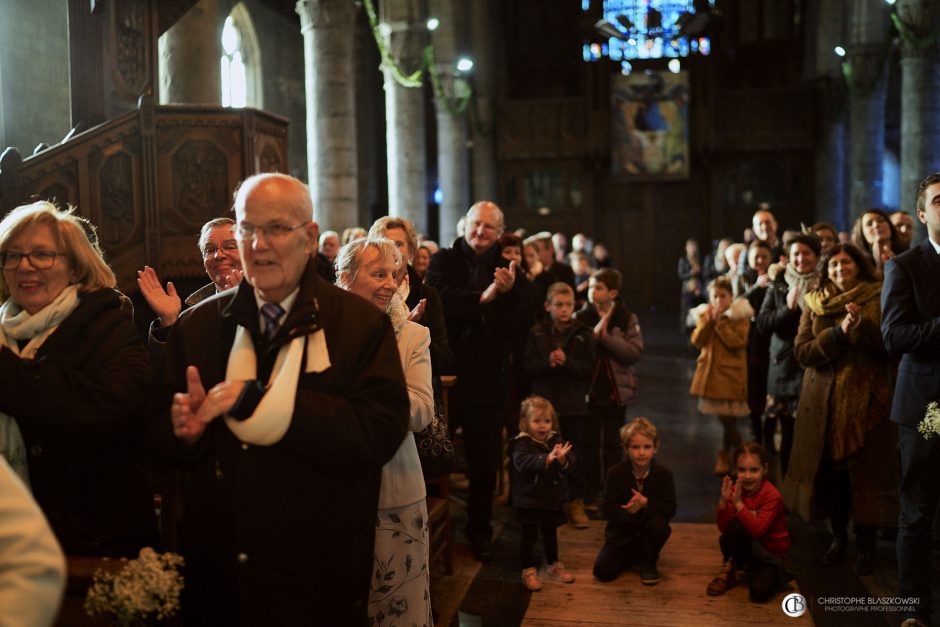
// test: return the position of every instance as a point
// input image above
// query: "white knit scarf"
(17, 324)
(806, 283)
(272, 417)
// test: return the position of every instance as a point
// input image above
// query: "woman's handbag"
(435, 449)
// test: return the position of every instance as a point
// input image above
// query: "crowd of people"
(275, 406)
(821, 338)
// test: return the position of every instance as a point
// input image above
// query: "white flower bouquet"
(930, 425)
(147, 588)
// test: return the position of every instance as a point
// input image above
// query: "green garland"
(909, 35)
(461, 101)
(411, 80)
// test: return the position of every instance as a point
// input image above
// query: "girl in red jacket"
(753, 527)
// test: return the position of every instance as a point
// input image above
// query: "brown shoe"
(577, 515)
(722, 464)
(531, 580)
(723, 582)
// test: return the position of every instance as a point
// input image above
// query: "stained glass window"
(646, 29)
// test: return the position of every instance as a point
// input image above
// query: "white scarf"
(17, 324)
(806, 283)
(271, 418)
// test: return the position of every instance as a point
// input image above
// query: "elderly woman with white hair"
(74, 380)
(369, 267)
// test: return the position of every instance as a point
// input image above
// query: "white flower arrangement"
(930, 425)
(146, 588)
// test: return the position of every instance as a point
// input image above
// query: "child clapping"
(639, 499)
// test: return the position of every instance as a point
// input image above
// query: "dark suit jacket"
(283, 534)
(910, 324)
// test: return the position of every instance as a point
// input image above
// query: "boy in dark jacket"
(559, 361)
(639, 500)
(613, 382)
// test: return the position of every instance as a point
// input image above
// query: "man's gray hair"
(326, 234)
(207, 230)
(349, 259)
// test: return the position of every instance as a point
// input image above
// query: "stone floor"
(689, 441)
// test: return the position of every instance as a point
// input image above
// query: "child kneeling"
(539, 488)
(639, 500)
(753, 527)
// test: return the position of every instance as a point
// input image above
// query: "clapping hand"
(165, 303)
(727, 488)
(558, 454)
(636, 502)
(738, 491)
(192, 411)
(416, 313)
(505, 278)
(557, 358)
(852, 318)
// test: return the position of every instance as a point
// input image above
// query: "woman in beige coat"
(720, 379)
(844, 457)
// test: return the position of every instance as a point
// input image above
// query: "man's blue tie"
(272, 313)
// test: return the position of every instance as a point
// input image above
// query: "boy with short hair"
(613, 381)
(559, 360)
(639, 500)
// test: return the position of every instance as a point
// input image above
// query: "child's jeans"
(527, 544)
(637, 543)
(737, 544)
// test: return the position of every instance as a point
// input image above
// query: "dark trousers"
(918, 493)
(636, 543)
(602, 445)
(572, 430)
(763, 578)
(482, 439)
(527, 544)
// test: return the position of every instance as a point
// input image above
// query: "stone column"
(831, 107)
(483, 120)
(920, 107)
(404, 29)
(453, 159)
(867, 56)
(190, 56)
(328, 27)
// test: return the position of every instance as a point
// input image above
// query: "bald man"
(286, 397)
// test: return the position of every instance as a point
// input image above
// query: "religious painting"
(651, 125)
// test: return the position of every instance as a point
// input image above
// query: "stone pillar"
(483, 120)
(920, 108)
(831, 107)
(328, 27)
(404, 29)
(453, 158)
(867, 56)
(190, 57)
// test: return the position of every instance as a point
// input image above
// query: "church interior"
(638, 123)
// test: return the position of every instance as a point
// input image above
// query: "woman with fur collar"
(720, 380)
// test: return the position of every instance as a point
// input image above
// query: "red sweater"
(763, 517)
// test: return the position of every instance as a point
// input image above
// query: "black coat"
(535, 485)
(81, 405)
(659, 489)
(566, 386)
(479, 335)
(283, 534)
(775, 318)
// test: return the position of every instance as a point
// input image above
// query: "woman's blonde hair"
(75, 236)
(385, 223)
(532, 405)
(349, 258)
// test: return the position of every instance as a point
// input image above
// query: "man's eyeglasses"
(228, 246)
(39, 259)
(245, 231)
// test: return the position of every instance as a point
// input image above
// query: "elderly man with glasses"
(285, 398)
